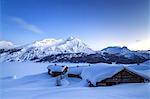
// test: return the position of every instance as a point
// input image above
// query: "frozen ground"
(31, 81)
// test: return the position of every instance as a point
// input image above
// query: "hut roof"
(57, 68)
(71, 70)
(76, 70)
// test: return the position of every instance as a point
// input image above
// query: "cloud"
(27, 25)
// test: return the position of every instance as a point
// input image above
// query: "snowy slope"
(35, 83)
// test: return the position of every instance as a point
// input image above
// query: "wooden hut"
(55, 70)
(107, 76)
(123, 76)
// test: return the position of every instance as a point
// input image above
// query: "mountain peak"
(46, 42)
(72, 38)
(47, 47)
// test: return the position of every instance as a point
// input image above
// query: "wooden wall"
(124, 76)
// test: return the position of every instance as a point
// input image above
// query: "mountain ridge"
(71, 50)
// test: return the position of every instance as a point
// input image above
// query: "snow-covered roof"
(76, 70)
(139, 72)
(99, 72)
(56, 68)
(71, 70)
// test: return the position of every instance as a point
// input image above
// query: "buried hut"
(76, 71)
(110, 75)
(57, 70)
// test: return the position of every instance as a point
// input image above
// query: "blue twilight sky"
(99, 23)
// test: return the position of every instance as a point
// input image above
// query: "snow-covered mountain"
(124, 51)
(116, 50)
(39, 49)
(6, 45)
(70, 50)
(53, 46)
